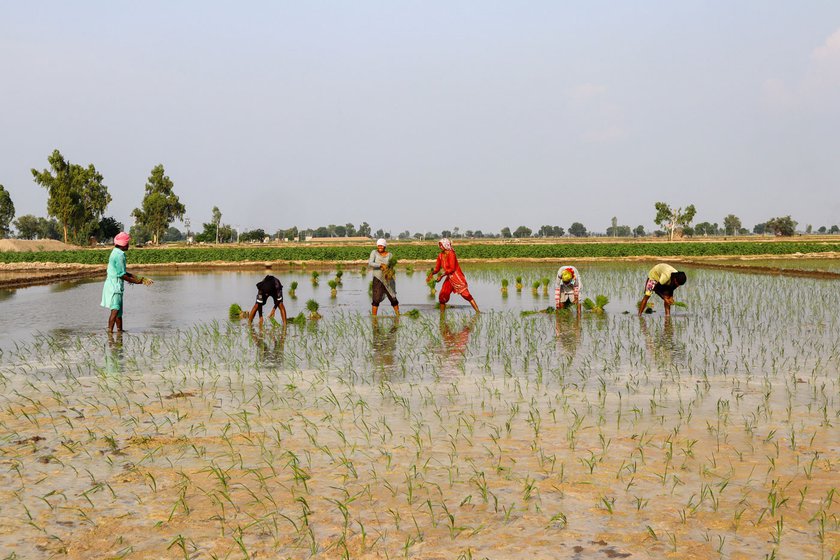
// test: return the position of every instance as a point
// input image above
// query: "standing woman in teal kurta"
(112, 291)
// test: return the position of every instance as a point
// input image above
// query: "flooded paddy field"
(713, 434)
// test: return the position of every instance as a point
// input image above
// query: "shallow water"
(713, 434)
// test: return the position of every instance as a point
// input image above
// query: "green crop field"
(413, 251)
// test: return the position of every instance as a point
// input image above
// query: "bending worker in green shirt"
(663, 279)
(112, 291)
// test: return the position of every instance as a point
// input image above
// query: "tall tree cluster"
(161, 205)
(76, 196)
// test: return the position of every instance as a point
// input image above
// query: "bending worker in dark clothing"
(269, 287)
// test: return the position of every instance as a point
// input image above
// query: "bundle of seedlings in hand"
(414, 314)
(596, 306)
(390, 271)
(312, 306)
(648, 307)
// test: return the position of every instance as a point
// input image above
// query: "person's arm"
(557, 293)
(372, 260)
(132, 279)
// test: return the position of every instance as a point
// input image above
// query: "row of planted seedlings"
(702, 435)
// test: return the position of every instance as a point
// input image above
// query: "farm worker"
(567, 288)
(447, 262)
(663, 279)
(112, 291)
(384, 283)
(268, 287)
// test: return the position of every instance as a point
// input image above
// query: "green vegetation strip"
(409, 252)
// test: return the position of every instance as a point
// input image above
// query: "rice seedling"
(545, 281)
(333, 284)
(535, 286)
(235, 312)
(518, 284)
(504, 286)
(312, 306)
(596, 306)
(315, 275)
(292, 289)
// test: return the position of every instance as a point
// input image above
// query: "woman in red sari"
(447, 265)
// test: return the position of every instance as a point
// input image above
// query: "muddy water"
(714, 434)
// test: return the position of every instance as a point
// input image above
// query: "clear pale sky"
(430, 115)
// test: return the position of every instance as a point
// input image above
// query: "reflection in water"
(63, 286)
(115, 355)
(455, 343)
(384, 342)
(664, 346)
(270, 345)
(567, 333)
(6, 294)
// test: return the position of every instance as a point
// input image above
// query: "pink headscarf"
(445, 244)
(122, 239)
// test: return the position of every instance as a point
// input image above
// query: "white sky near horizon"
(431, 115)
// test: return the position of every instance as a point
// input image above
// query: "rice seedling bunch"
(596, 306)
(312, 306)
(235, 312)
(315, 275)
(292, 287)
(333, 284)
(390, 271)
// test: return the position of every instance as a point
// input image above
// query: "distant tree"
(321, 232)
(404, 235)
(822, 229)
(350, 230)
(809, 228)
(341, 231)
(27, 227)
(731, 224)
(226, 234)
(639, 231)
(506, 233)
(108, 228)
(75, 195)
(161, 205)
(613, 227)
(673, 218)
(705, 228)
(172, 234)
(216, 221)
(364, 230)
(139, 234)
(783, 225)
(521, 232)
(688, 231)
(478, 233)
(834, 229)
(446, 233)
(7, 212)
(292, 233)
(760, 229)
(577, 229)
(619, 231)
(418, 236)
(551, 231)
(252, 235)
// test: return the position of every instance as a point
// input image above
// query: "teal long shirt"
(114, 284)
